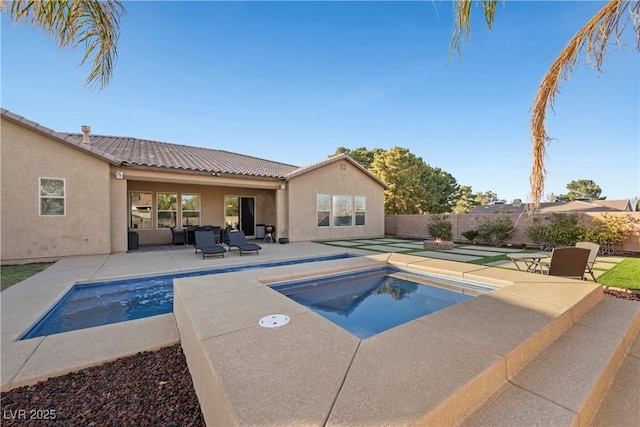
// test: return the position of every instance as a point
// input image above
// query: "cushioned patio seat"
(237, 239)
(206, 243)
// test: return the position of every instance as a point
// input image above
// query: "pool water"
(102, 303)
(372, 301)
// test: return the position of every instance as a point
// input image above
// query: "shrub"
(562, 229)
(440, 228)
(470, 234)
(610, 229)
(494, 232)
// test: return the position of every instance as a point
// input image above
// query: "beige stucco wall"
(26, 156)
(97, 199)
(211, 205)
(415, 226)
(337, 178)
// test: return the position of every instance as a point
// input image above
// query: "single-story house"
(66, 194)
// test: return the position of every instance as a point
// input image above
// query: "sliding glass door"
(239, 214)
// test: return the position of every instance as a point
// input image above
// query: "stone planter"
(441, 245)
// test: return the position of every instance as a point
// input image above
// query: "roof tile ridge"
(257, 158)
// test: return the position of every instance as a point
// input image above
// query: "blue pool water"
(102, 303)
(369, 302)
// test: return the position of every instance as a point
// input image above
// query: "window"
(342, 211)
(140, 209)
(52, 197)
(190, 209)
(361, 209)
(167, 207)
(324, 210)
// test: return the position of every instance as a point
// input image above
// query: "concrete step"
(569, 382)
(620, 406)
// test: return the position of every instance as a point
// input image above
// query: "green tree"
(442, 190)
(403, 171)
(486, 198)
(465, 201)
(91, 23)
(361, 155)
(583, 188)
(592, 40)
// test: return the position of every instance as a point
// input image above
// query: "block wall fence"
(415, 226)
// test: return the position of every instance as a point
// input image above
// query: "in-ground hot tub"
(433, 370)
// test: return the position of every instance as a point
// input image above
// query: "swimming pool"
(87, 305)
(371, 301)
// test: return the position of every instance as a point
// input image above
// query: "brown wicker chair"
(568, 262)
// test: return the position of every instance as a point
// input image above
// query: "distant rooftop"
(573, 206)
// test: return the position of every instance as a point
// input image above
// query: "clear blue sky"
(292, 81)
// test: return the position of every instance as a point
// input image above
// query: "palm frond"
(592, 40)
(462, 17)
(92, 23)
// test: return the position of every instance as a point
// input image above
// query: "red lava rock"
(119, 393)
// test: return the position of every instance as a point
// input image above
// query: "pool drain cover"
(274, 321)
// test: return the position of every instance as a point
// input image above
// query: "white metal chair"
(594, 249)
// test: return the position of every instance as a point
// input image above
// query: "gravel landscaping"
(153, 388)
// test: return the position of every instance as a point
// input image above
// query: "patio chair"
(237, 239)
(178, 237)
(206, 243)
(568, 262)
(594, 249)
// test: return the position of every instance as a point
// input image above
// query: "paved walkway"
(462, 253)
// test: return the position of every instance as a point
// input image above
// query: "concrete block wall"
(415, 226)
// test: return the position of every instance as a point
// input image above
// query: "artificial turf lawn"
(626, 274)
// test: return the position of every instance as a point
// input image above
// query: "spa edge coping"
(244, 374)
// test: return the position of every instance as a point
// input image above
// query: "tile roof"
(330, 160)
(127, 151)
(573, 206)
(94, 151)
(142, 152)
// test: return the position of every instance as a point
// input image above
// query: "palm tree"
(96, 24)
(592, 40)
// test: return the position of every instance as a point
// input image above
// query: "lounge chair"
(178, 237)
(568, 262)
(594, 249)
(206, 243)
(237, 239)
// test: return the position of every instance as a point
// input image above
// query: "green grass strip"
(624, 275)
(12, 274)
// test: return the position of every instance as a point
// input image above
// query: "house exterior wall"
(26, 156)
(211, 205)
(337, 178)
(118, 202)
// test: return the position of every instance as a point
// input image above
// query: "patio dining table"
(530, 260)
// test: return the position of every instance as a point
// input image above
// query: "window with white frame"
(52, 197)
(342, 211)
(190, 209)
(140, 208)
(361, 209)
(167, 209)
(324, 210)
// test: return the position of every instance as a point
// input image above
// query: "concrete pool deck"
(342, 364)
(21, 305)
(440, 369)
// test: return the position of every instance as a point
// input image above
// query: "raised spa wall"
(434, 370)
